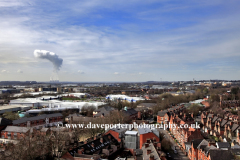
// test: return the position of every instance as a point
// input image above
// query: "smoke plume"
(52, 57)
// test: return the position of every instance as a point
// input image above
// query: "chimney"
(139, 115)
(146, 145)
(159, 145)
(148, 140)
(101, 140)
(151, 157)
(155, 144)
(154, 139)
(95, 137)
(149, 151)
(192, 115)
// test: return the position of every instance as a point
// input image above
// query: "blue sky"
(130, 40)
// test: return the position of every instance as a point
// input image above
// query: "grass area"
(70, 98)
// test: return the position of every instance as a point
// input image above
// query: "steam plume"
(52, 57)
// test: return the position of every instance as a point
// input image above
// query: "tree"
(119, 106)
(10, 115)
(215, 108)
(205, 91)
(234, 92)
(166, 144)
(194, 108)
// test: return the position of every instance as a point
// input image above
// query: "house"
(147, 133)
(163, 117)
(223, 145)
(222, 127)
(13, 133)
(76, 118)
(102, 112)
(145, 108)
(117, 133)
(220, 155)
(104, 146)
(202, 149)
(130, 113)
(184, 134)
(152, 151)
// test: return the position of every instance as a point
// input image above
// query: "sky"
(123, 41)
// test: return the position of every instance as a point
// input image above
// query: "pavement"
(180, 155)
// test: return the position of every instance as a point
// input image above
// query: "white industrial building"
(34, 93)
(54, 104)
(124, 97)
(79, 95)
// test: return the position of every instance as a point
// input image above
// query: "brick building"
(147, 134)
(201, 149)
(163, 116)
(222, 127)
(13, 133)
(44, 120)
(184, 134)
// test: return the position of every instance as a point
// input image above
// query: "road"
(180, 155)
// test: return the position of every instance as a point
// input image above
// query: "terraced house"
(225, 127)
(201, 149)
(185, 128)
(163, 116)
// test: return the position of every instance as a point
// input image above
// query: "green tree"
(234, 92)
(194, 108)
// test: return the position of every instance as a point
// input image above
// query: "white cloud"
(4, 71)
(97, 48)
(81, 72)
(19, 71)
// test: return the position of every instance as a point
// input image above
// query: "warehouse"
(124, 97)
(13, 108)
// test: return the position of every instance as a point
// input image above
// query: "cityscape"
(119, 80)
